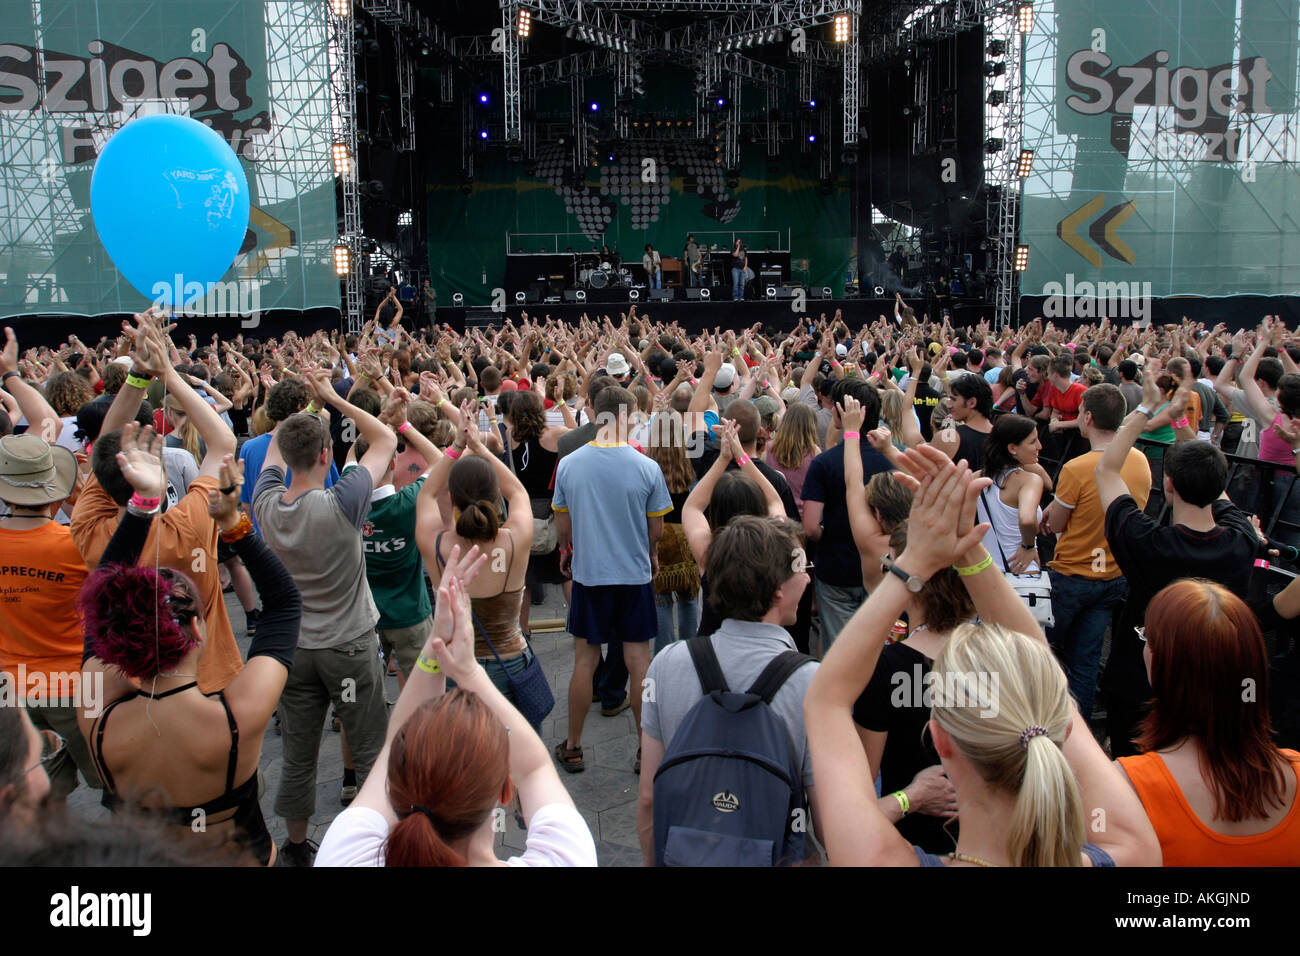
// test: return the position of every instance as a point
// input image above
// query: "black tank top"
(970, 446)
(249, 825)
(535, 467)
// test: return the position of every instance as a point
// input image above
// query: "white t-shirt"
(557, 836)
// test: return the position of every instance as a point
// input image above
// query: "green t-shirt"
(393, 565)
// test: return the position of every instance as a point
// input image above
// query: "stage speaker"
(575, 295)
(823, 292)
(695, 295)
(770, 292)
(521, 298)
(663, 295)
(634, 295)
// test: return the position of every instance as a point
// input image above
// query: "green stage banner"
(73, 71)
(1166, 151)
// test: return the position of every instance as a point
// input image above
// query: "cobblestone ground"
(605, 792)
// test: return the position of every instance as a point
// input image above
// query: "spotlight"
(405, 218)
(704, 293)
(342, 260)
(997, 48)
(633, 295)
(524, 25)
(520, 298)
(842, 27)
(770, 292)
(581, 295)
(1025, 17)
(1026, 164)
(997, 97)
(879, 291)
(342, 162)
(721, 102)
(993, 145)
(483, 98)
(595, 106)
(425, 50)
(812, 137)
(482, 134)
(1022, 258)
(343, 9)
(994, 69)
(457, 299)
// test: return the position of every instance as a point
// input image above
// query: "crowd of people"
(902, 594)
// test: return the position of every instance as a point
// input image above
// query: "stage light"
(1025, 17)
(1026, 164)
(997, 97)
(525, 24)
(993, 145)
(722, 102)
(704, 294)
(595, 106)
(842, 27)
(342, 161)
(633, 295)
(812, 137)
(581, 295)
(770, 292)
(425, 49)
(343, 8)
(812, 104)
(995, 69)
(1022, 258)
(483, 98)
(457, 299)
(482, 134)
(520, 298)
(997, 48)
(342, 260)
(405, 218)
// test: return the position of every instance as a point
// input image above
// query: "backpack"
(729, 791)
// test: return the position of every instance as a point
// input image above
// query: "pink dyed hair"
(122, 609)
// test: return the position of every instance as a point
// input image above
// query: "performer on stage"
(694, 260)
(653, 267)
(740, 274)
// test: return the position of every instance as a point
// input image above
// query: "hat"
(33, 472)
(791, 394)
(617, 365)
(644, 344)
(841, 350)
(123, 360)
(766, 406)
(726, 375)
(1138, 359)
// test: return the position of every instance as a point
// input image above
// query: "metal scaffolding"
(1002, 127)
(343, 94)
(510, 71)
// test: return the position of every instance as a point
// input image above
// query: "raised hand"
(223, 505)
(140, 460)
(851, 414)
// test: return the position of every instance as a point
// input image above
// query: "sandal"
(570, 759)
(636, 767)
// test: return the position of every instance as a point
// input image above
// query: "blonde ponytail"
(1005, 701)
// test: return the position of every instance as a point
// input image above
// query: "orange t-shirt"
(185, 537)
(1186, 841)
(41, 572)
(1076, 489)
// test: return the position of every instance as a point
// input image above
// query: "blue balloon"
(170, 202)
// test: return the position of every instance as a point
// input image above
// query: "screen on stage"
(1165, 148)
(71, 73)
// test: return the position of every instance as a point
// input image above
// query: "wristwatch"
(913, 582)
(1144, 410)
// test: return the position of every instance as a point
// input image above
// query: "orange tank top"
(1186, 841)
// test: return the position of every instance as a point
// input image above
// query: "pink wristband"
(403, 428)
(744, 460)
(853, 435)
(144, 504)
(452, 453)
(1182, 423)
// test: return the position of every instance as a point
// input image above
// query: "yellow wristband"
(138, 381)
(311, 409)
(441, 403)
(975, 568)
(428, 666)
(904, 804)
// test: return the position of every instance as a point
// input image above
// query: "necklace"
(955, 855)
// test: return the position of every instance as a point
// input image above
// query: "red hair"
(448, 769)
(135, 617)
(1207, 651)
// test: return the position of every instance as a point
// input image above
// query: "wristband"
(441, 403)
(428, 665)
(144, 504)
(139, 381)
(975, 568)
(4, 379)
(744, 460)
(904, 804)
(311, 409)
(404, 428)
(1144, 410)
(853, 434)
(1182, 423)
(1028, 547)
(452, 453)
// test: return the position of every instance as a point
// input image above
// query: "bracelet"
(404, 428)
(853, 435)
(145, 504)
(241, 530)
(311, 409)
(1028, 547)
(975, 568)
(138, 381)
(441, 403)
(904, 804)
(1182, 423)
(4, 379)
(744, 460)
(1144, 410)
(452, 453)
(428, 665)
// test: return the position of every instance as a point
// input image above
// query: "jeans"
(1082, 608)
(610, 679)
(737, 284)
(680, 626)
(656, 279)
(835, 605)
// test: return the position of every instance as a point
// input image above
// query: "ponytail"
(1047, 822)
(414, 841)
(478, 521)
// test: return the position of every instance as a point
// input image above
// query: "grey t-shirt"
(1132, 393)
(318, 538)
(744, 648)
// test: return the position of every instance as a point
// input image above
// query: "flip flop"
(570, 760)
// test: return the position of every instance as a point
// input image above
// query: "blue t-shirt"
(609, 491)
(253, 454)
(993, 374)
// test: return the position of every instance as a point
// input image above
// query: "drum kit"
(595, 273)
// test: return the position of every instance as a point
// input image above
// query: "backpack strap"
(705, 659)
(776, 673)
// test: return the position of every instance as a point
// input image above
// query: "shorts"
(613, 612)
(406, 643)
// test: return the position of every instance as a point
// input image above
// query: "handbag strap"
(993, 525)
